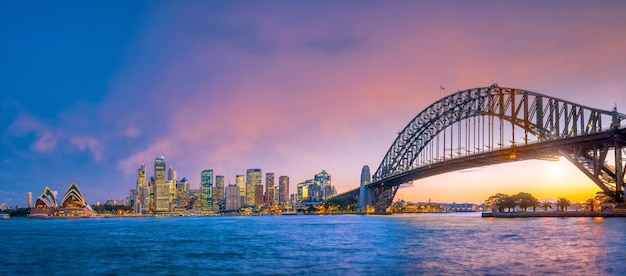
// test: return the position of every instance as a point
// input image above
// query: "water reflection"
(317, 245)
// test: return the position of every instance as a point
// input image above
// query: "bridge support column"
(619, 170)
(591, 159)
(382, 197)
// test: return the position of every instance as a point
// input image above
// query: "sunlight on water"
(315, 245)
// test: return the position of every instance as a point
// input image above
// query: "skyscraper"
(29, 200)
(162, 189)
(142, 203)
(240, 181)
(253, 178)
(283, 189)
(326, 190)
(258, 195)
(233, 198)
(171, 174)
(218, 190)
(363, 193)
(207, 188)
(269, 188)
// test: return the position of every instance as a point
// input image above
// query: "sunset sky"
(91, 89)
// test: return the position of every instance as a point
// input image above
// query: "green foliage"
(343, 203)
(18, 212)
(107, 208)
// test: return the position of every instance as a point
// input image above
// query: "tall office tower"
(258, 195)
(326, 190)
(161, 187)
(283, 189)
(240, 181)
(142, 195)
(207, 189)
(366, 178)
(303, 191)
(182, 192)
(275, 199)
(269, 189)
(29, 200)
(171, 174)
(218, 190)
(151, 193)
(233, 198)
(253, 178)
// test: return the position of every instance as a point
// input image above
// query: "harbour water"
(431, 244)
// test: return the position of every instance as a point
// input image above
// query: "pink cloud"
(89, 143)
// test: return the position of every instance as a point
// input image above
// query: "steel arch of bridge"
(490, 125)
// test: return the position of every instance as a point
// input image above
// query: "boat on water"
(6, 216)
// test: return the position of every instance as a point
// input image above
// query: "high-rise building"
(162, 189)
(171, 174)
(240, 181)
(218, 191)
(303, 191)
(269, 188)
(366, 178)
(207, 188)
(142, 195)
(253, 178)
(29, 200)
(283, 189)
(326, 190)
(233, 198)
(275, 199)
(182, 193)
(258, 195)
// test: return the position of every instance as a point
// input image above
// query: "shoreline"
(571, 214)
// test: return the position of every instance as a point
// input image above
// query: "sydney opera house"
(72, 205)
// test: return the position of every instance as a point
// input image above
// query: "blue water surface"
(439, 244)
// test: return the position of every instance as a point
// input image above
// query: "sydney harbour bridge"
(492, 125)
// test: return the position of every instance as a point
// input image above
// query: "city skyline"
(92, 90)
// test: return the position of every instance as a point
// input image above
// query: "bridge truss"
(491, 125)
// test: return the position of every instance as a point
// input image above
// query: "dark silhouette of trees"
(563, 203)
(503, 201)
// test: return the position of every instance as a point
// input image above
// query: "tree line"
(503, 202)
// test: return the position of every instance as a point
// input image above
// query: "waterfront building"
(275, 197)
(253, 178)
(269, 189)
(233, 198)
(326, 189)
(73, 204)
(240, 181)
(283, 189)
(366, 178)
(141, 201)
(151, 193)
(303, 191)
(29, 200)
(207, 188)
(172, 186)
(46, 204)
(161, 187)
(258, 195)
(181, 199)
(218, 192)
